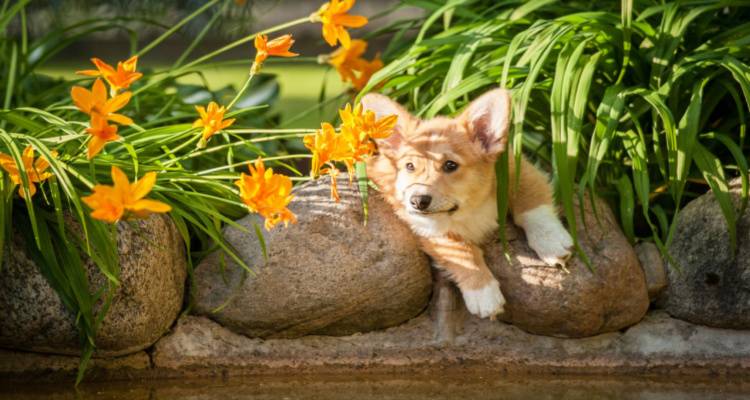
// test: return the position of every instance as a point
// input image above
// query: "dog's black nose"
(420, 201)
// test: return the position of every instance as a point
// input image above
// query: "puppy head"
(443, 166)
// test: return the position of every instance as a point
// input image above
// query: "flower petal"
(344, 37)
(28, 156)
(118, 102)
(351, 21)
(109, 212)
(102, 66)
(82, 98)
(96, 144)
(150, 206)
(144, 185)
(201, 111)
(99, 92)
(32, 190)
(329, 34)
(227, 123)
(120, 119)
(121, 183)
(130, 64)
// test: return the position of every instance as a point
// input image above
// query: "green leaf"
(713, 172)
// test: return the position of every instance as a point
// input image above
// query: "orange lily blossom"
(211, 120)
(352, 67)
(329, 146)
(118, 79)
(277, 47)
(35, 170)
(267, 194)
(111, 203)
(353, 143)
(333, 15)
(366, 123)
(101, 133)
(95, 102)
(366, 72)
(349, 60)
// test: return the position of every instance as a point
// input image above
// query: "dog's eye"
(409, 166)
(450, 166)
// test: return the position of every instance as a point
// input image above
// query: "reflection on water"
(386, 388)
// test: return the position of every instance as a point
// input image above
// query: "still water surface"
(387, 388)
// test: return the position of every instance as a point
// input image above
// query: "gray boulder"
(710, 285)
(153, 270)
(329, 274)
(575, 301)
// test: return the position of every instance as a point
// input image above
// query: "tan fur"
(452, 239)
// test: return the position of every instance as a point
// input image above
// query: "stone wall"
(335, 295)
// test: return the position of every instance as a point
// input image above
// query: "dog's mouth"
(432, 212)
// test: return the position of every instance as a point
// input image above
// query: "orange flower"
(351, 66)
(366, 124)
(110, 203)
(329, 146)
(212, 120)
(95, 102)
(353, 143)
(119, 78)
(101, 133)
(267, 194)
(349, 60)
(278, 47)
(335, 20)
(365, 73)
(35, 170)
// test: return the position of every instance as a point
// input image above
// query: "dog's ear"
(487, 120)
(382, 106)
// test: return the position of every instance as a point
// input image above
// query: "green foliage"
(642, 102)
(37, 111)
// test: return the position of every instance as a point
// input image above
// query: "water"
(387, 388)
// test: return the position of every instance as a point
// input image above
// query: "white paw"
(484, 302)
(546, 235)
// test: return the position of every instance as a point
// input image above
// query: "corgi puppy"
(439, 176)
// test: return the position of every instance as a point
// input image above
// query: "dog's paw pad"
(486, 301)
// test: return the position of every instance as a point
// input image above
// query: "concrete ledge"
(35, 367)
(658, 346)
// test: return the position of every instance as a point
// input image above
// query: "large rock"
(328, 274)
(575, 301)
(710, 285)
(153, 271)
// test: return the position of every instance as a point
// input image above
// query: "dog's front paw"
(547, 236)
(486, 301)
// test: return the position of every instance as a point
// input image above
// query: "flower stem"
(242, 91)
